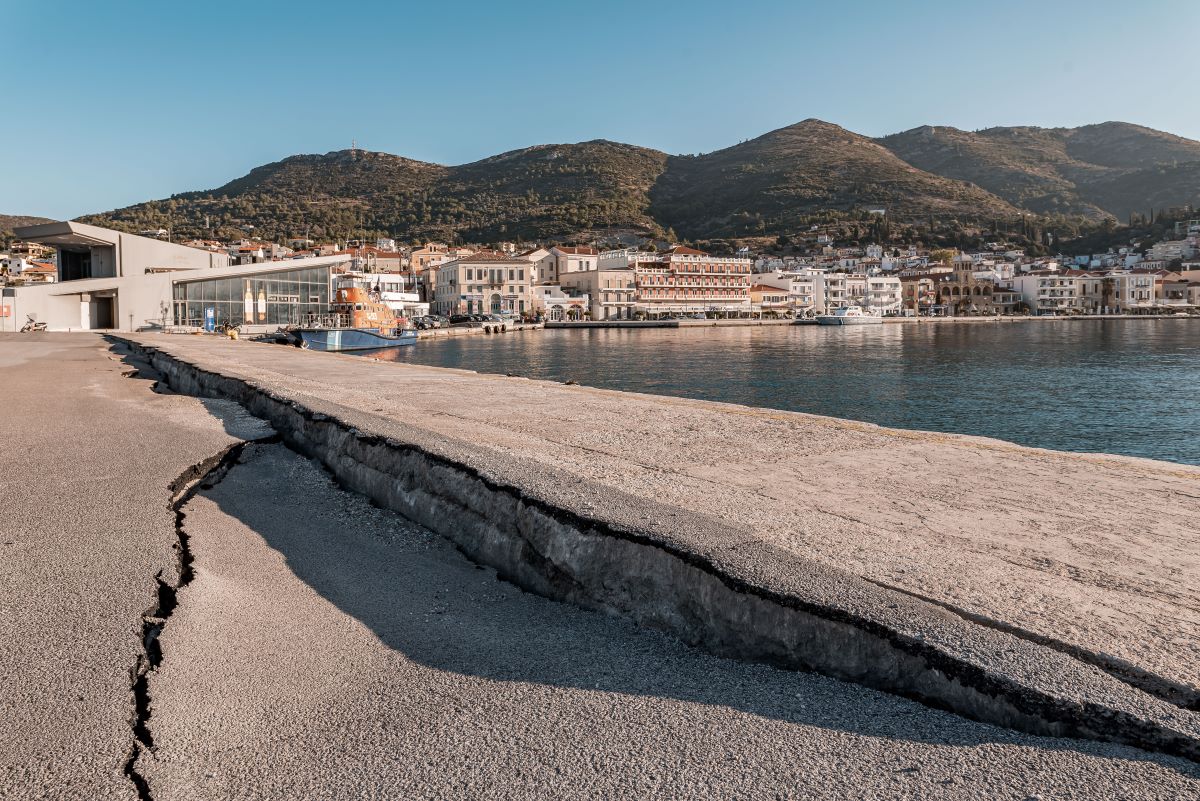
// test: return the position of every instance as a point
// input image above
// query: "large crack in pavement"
(848, 628)
(205, 474)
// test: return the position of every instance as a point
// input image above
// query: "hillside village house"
(483, 283)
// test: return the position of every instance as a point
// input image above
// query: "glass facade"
(278, 298)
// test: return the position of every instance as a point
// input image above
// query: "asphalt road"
(1096, 552)
(326, 648)
(86, 458)
(330, 649)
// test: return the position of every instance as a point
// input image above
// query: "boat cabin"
(355, 307)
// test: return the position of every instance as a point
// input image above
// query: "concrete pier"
(328, 647)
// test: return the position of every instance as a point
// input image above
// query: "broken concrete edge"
(1172, 692)
(561, 554)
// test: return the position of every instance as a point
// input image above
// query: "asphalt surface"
(86, 457)
(330, 649)
(1091, 552)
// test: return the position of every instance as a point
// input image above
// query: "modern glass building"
(280, 297)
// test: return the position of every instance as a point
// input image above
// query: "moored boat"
(356, 321)
(849, 315)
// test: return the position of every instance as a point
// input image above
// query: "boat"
(357, 320)
(849, 315)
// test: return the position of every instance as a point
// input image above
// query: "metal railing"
(325, 320)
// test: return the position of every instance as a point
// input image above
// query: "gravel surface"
(330, 649)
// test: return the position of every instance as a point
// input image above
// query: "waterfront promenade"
(326, 646)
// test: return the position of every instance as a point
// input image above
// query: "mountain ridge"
(779, 183)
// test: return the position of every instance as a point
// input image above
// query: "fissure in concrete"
(204, 474)
(560, 554)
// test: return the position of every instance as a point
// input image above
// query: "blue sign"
(210, 318)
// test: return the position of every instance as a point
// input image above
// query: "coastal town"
(141, 281)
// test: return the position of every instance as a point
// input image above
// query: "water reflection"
(1120, 386)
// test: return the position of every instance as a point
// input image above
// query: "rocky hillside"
(776, 182)
(10, 221)
(538, 192)
(779, 183)
(1111, 169)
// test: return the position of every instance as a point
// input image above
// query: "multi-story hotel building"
(683, 280)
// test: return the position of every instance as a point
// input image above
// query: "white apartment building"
(1047, 292)
(884, 294)
(837, 291)
(805, 288)
(564, 260)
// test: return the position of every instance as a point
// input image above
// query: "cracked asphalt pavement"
(330, 649)
(326, 648)
(86, 458)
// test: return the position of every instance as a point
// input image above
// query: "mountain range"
(777, 184)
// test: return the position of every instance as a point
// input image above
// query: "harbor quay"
(236, 569)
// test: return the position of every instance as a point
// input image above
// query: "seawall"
(441, 448)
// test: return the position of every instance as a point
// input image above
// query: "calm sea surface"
(1120, 386)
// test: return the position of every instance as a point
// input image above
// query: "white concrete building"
(884, 294)
(556, 305)
(805, 288)
(564, 260)
(112, 280)
(1047, 292)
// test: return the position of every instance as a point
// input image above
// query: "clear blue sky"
(111, 103)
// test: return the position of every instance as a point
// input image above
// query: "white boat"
(850, 315)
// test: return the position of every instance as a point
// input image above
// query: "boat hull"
(349, 339)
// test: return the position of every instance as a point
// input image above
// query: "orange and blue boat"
(357, 320)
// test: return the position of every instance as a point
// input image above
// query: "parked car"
(463, 320)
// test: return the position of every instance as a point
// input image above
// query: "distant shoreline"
(736, 323)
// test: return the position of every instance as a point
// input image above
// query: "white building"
(556, 305)
(805, 288)
(112, 280)
(884, 294)
(1047, 292)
